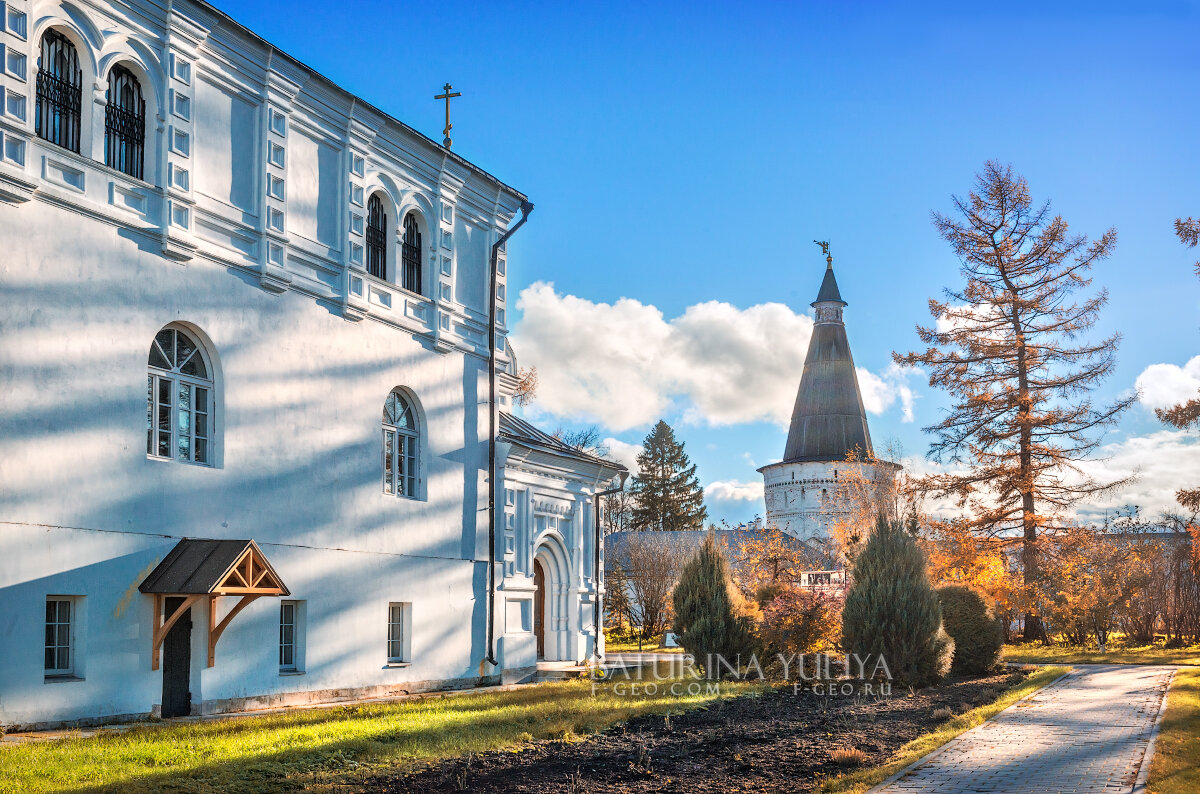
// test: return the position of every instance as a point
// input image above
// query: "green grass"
(326, 748)
(1134, 654)
(1175, 768)
(863, 779)
(625, 644)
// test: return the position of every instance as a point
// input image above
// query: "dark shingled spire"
(829, 289)
(828, 421)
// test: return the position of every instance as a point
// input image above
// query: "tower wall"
(807, 498)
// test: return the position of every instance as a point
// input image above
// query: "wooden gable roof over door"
(199, 566)
(200, 569)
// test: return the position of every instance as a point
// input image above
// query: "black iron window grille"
(411, 255)
(376, 238)
(59, 92)
(125, 124)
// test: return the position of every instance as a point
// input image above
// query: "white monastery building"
(248, 407)
(828, 440)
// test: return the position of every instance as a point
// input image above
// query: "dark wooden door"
(539, 608)
(177, 663)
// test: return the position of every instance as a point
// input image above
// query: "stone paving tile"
(1087, 733)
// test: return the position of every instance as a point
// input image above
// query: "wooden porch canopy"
(199, 568)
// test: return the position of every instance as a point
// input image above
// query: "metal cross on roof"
(447, 96)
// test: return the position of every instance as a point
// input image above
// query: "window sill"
(291, 672)
(397, 664)
(62, 679)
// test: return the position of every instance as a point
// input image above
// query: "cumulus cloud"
(1164, 385)
(879, 392)
(734, 491)
(625, 365)
(1159, 464)
(623, 452)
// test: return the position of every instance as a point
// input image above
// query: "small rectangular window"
(291, 636)
(16, 22)
(60, 636)
(398, 629)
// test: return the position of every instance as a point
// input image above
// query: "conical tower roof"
(828, 421)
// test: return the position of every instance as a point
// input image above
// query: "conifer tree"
(1010, 349)
(709, 619)
(666, 493)
(892, 611)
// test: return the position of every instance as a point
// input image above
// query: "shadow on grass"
(338, 747)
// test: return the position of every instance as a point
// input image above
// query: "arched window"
(401, 442)
(376, 237)
(411, 255)
(179, 399)
(124, 123)
(59, 92)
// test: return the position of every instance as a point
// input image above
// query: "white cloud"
(623, 452)
(625, 365)
(1161, 463)
(734, 491)
(1164, 385)
(880, 391)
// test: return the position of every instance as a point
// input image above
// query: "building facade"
(829, 471)
(244, 388)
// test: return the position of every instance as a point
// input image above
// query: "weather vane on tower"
(825, 250)
(447, 96)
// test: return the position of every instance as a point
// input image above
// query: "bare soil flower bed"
(777, 741)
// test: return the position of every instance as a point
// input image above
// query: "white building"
(828, 463)
(242, 307)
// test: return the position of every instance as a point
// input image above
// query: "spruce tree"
(892, 611)
(707, 610)
(666, 493)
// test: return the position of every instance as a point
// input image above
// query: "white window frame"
(401, 449)
(296, 645)
(174, 380)
(399, 633)
(67, 644)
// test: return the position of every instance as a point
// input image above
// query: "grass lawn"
(1175, 768)
(863, 779)
(1135, 654)
(649, 645)
(325, 748)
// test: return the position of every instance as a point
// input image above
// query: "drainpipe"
(596, 627)
(526, 208)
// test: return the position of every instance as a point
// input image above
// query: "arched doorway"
(539, 607)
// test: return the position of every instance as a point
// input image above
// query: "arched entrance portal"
(539, 608)
(549, 607)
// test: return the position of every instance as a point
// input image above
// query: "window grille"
(59, 656)
(179, 403)
(287, 636)
(412, 255)
(59, 92)
(376, 238)
(401, 438)
(125, 124)
(395, 633)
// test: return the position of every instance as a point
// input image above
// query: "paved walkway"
(1088, 732)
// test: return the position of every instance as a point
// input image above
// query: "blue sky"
(680, 153)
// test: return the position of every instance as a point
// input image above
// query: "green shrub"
(892, 611)
(978, 636)
(710, 613)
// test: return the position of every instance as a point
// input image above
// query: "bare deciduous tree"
(1009, 348)
(653, 563)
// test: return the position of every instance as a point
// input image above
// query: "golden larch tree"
(1009, 348)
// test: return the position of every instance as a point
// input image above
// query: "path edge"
(879, 787)
(1143, 776)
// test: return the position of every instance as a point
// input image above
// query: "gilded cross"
(447, 96)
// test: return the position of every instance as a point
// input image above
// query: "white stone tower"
(828, 440)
